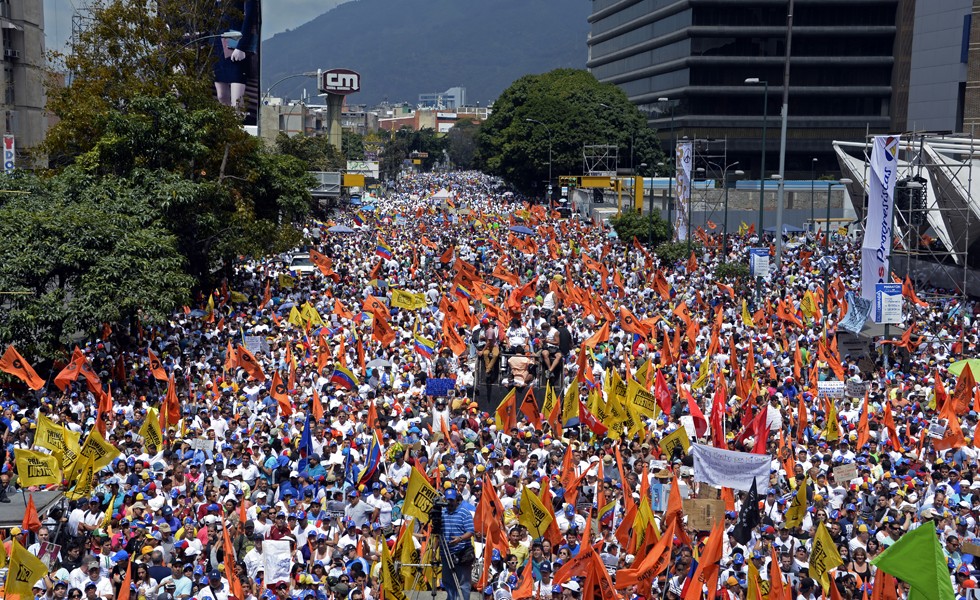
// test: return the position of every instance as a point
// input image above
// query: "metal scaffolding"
(600, 160)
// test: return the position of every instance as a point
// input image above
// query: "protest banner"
(727, 468)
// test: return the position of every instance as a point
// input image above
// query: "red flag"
(700, 423)
(590, 420)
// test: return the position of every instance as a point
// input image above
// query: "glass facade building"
(698, 54)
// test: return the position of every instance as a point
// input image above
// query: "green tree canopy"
(569, 103)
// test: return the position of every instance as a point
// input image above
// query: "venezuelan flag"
(606, 512)
(425, 346)
(462, 292)
(383, 250)
(344, 378)
(358, 218)
(373, 459)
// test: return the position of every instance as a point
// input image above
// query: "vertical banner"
(759, 262)
(683, 158)
(888, 303)
(9, 154)
(877, 246)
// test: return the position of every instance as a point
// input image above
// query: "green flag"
(918, 559)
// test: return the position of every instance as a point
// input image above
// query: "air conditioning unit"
(11, 54)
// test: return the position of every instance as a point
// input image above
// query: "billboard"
(340, 82)
(877, 246)
(9, 154)
(683, 158)
(229, 32)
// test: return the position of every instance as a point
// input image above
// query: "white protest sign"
(278, 561)
(727, 468)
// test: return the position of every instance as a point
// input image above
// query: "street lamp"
(826, 241)
(673, 151)
(813, 175)
(765, 118)
(548, 130)
(724, 246)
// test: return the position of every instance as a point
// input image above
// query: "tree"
(407, 141)
(140, 107)
(630, 224)
(569, 104)
(353, 146)
(461, 143)
(87, 250)
(315, 152)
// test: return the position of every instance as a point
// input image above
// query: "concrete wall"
(25, 118)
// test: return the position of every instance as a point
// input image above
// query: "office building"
(845, 79)
(24, 62)
(454, 97)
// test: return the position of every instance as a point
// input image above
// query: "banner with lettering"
(727, 468)
(36, 468)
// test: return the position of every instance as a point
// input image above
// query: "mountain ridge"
(403, 48)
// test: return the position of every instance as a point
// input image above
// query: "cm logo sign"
(340, 81)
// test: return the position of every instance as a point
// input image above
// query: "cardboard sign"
(256, 344)
(845, 473)
(201, 444)
(971, 546)
(702, 513)
(48, 553)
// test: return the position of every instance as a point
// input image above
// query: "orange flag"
(598, 337)
(247, 361)
(170, 409)
(13, 363)
(529, 408)
(962, 396)
(280, 394)
(862, 429)
(340, 311)
(707, 570)
(525, 589)
(382, 331)
(235, 586)
(953, 436)
(31, 520)
(317, 406)
(156, 367)
(377, 308)
(692, 263)
(655, 561)
(675, 512)
(127, 582)
(631, 324)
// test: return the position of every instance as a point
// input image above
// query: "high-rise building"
(848, 77)
(22, 37)
(454, 97)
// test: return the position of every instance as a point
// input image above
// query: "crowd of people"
(468, 347)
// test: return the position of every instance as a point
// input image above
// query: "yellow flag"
(407, 300)
(831, 431)
(823, 557)
(238, 298)
(752, 591)
(389, 577)
(746, 316)
(49, 434)
(569, 406)
(3, 556)
(98, 450)
(703, 373)
(550, 401)
(81, 480)
(677, 439)
(797, 508)
(286, 281)
(641, 400)
(25, 570)
(310, 315)
(211, 304)
(36, 468)
(534, 515)
(419, 497)
(808, 305)
(150, 431)
(295, 318)
(641, 374)
(107, 516)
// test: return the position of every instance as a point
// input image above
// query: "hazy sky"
(287, 14)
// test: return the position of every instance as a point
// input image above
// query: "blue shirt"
(456, 524)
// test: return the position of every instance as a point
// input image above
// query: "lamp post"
(673, 151)
(813, 175)
(724, 244)
(548, 130)
(765, 118)
(826, 243)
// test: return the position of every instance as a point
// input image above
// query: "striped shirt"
(456, 524)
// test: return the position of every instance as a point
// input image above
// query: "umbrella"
(522, 229)
(379, 362)
(957, 367)
(368, 207)
(340, 229)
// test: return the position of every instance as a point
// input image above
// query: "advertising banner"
(684, 157)
(888, 303)
(727, 468)
(877, 245)
(9, 154)
(759, 262)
